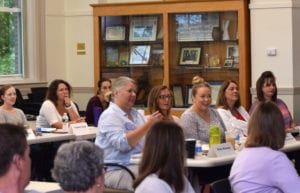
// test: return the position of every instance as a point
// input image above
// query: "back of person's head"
(221, 100)
(52, 89)
(266, 127)
(268, 77)
(12, 142)
(154, 95)
(77, 165)
(164, 152)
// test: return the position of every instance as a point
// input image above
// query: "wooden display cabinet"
(169, 42)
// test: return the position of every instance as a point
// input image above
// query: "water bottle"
(38, 131)
(65, 120)
(198, 150)
(214, 136)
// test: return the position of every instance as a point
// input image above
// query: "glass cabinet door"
(132, 45)
(204, 44)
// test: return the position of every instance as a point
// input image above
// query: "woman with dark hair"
(160, 99)
(162, 166)
(8, 113)
(57, 103)
(78, 167)
(233, 114)
(98, 102)
(260, 167)
(266, 90)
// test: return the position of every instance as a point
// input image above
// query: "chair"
(221, 186)
(112, 190)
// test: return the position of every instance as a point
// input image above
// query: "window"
(10, 38)
(22, 41)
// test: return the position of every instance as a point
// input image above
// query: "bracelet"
(68, 107)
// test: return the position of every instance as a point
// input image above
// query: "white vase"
(225, 29)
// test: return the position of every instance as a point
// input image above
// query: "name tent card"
(221, 150)
(78, 128)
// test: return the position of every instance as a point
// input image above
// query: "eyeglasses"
(163, 97)
(233, 88)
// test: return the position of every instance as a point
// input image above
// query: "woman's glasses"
(163, 97)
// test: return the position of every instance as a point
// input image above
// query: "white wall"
(274, 25)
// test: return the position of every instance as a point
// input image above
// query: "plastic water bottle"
(214, 136)
(65, 120)
(38, 131)
(198, 150)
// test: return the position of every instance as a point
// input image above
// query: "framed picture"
(140, 54)
(112, 56)
(143, 28)
(123, 56)
(233, 53)
(228, 63)
(157, 55)
(115, 33)
(190, 56)
(178, 97)
(188, 96)
(215, 87)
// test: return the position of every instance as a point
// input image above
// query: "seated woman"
(163, 170)
(57, 103)
(197, 119)
(260, 167)
(98, 102)
(120, 132)
(160, 99)
(229, 107)
(266, 90)
(78, 167)
(8, 113)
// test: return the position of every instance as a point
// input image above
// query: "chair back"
(221, 186)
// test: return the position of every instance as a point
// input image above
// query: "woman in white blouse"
(229, 107)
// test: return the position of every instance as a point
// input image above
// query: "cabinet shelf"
(169, 56)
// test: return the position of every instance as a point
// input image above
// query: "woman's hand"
(156, 116)
(67, 102)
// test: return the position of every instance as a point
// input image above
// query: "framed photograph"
(143, 28)
(139, 54)
(215, 87)
(188, 96)
(228, 63)
(115, 33)
(190, 56)
(178, 97)
(112, 56)
(233, 53)
(157, 55)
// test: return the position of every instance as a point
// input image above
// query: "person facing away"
(228, 105)
(120, 132)
(98, 102)
(160, 99)
(266, 90)
(78, 167)
(15, 162)
(162, 168)
(197, 119)
(260, 166)
(8, 113)
(57, 103)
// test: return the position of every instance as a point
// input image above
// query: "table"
(43, 186)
